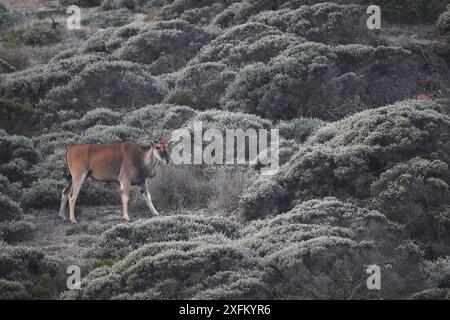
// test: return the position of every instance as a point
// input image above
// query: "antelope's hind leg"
(77, 182)
(64, 198)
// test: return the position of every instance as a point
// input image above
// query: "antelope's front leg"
(148, 199)
(125, 188)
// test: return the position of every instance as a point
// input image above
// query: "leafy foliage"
(375, 147)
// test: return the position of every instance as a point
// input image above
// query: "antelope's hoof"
(63, 218)
(126, 219)
(73, 221)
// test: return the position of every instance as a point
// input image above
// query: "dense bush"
(324, 22)
(33, 84)
(345, 158)
(412, 11)
(165, 46)
(81, 3)
(205, 83)
(99, 116)
(222, 120)
(159, 117)
(17, 156)
(137, 5)
(38, 34)
(245, 44)
(113, 18)
(316, 251)
(7, 19)
(443, 23)
(20, 269)
(334, 80)
(299, 129)
(15, 117)
(97, 85)
(415, 193)
(14, 59)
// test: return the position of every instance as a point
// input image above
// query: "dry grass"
(18, 58)
(194, 187)
(152, 14)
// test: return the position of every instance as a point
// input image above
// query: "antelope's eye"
(157, 148)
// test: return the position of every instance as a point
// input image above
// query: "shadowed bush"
(345, 158)
(307, 253)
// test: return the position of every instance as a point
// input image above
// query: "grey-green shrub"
(443, 23)
(7, 19)
(324, 22)
(96, 85)
(316, 251)
(299, 129)
(205, 83)
(159, 117)
(165, 46)
(17, 155)
(346, 157)
(245, 44)
(99, 116)
(112, 18)
(334, 81)
(33, 84)
(38, 34)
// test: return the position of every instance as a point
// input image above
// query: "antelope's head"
(161, 150)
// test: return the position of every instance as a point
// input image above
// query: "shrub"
(99, 116)
(413, 11)
(113, 18)
(246, 44)
(324, 22)
(15, 231)
(198, 12)
(15, 117)
(9, 209)
(13, 290)
(299, 129)
(222, 120)
(344, 158)
(437, 272)
(201, 85)
(158, 117)
(17, 156)
(443, 23)
(38, 34)
(33, 84)
(137, 5)
(334, 80)
(20, 268)
(81, 3)
(97, 85)
(164, 46)
(286, 256)
(7, 19)
(183, 98)
(20, 263)
(43, 193)
(120, 240)
(18, 59)
(432, 294)
(414, 193)
(12, 229)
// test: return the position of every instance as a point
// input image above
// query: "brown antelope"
(125, 162)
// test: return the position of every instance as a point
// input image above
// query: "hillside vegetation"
(364, 123)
